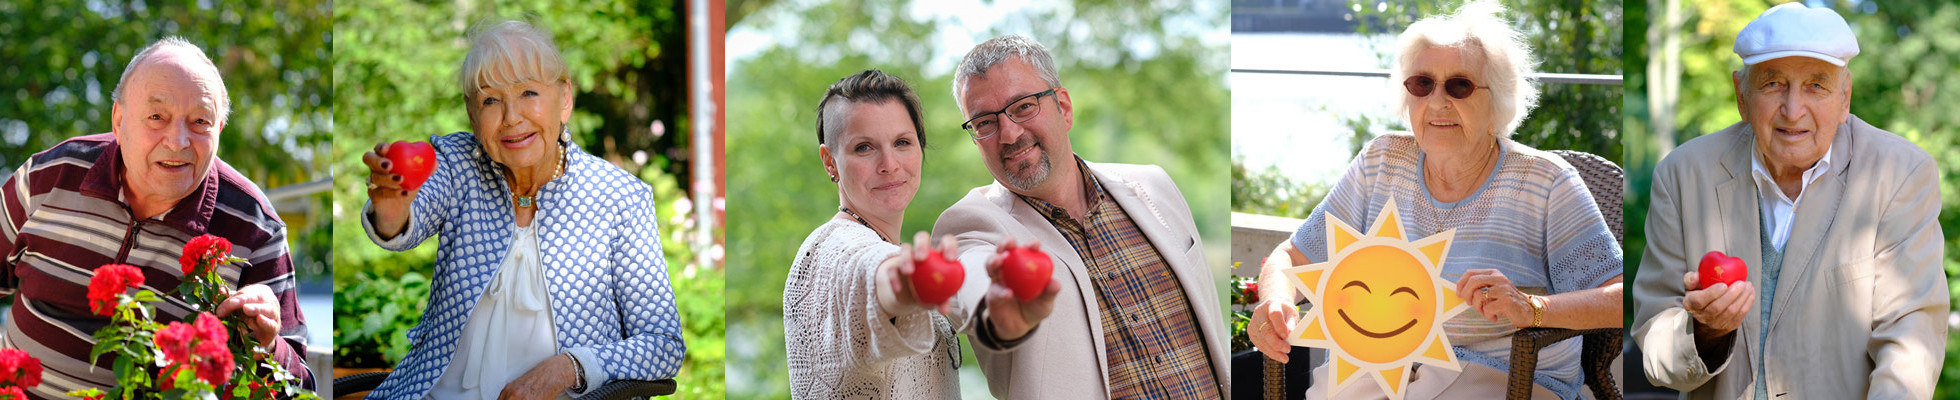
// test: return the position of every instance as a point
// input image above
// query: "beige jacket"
(1861, 301)
(1063, 357)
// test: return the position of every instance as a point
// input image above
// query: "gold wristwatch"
(1537, 310)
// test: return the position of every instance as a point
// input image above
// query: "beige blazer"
(1063, 358)
(1861, 301)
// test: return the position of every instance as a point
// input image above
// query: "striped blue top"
(1532, 219)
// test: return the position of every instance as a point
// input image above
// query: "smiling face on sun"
(1375, 306)
(1378, 302)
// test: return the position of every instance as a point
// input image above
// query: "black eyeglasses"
(1459, 87)
(1020, 110)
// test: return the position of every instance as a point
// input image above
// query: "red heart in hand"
(937, 278)
(1026, 271)
(1721, 268)
(414, 161)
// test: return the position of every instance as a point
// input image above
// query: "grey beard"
(1034, 175)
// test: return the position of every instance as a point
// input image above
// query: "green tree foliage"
(1270, 192)
(1142, 93)
(396, 65)
(1903, 81)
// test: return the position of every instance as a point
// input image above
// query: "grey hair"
(506, 52)
(997, 50)
(224, 96)
(1507, 59)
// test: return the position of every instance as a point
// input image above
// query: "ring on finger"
(371, 186)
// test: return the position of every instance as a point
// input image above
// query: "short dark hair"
(870, 86)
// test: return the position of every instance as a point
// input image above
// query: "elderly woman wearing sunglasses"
(1531, 249)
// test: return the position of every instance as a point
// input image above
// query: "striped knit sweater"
(62, 215)
(1531, 218)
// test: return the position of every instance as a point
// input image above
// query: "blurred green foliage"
(1143, 93)
(1903, 81)
(391, 305)
(396, 67)
(1270, 191)
(63, 58)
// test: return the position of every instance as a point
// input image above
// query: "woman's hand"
(391, 201)
(895, 293)
(1272, 322)
(1011, 317)
(546, 380)
(1491, 294)
(1273, 318)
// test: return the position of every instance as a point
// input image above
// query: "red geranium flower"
(12, 392)
(201, 251)
(199, 345)
(109, 281)
(19, 369)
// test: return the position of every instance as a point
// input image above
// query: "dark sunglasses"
(1459, 87)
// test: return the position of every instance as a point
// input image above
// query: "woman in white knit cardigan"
(854, 329)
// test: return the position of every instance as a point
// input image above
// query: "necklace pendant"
(524, 201)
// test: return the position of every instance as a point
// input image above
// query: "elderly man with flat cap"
(1836, 221)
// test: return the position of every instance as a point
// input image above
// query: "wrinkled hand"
(1720, 308)
(545, 380)
(1492, 294)
(391, 201)
(896, 274)
(260, 309)
(1011, 317)
(1272, 322)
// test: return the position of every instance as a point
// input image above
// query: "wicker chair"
(617, 390)
(1607, 183)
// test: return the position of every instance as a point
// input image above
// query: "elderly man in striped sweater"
(135, 196)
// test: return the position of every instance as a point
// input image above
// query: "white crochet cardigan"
(842, 344)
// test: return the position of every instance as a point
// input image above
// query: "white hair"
(507, 52)
(1506, 58)
(224, 96)
(997, 50)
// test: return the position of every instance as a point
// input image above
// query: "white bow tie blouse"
(510, 330)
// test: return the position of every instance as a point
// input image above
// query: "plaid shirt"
(1154, 347)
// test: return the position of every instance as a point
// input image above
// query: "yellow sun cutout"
(1379, 303)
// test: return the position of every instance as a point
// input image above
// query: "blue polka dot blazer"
(611, 304)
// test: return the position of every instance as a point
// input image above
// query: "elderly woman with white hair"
(1530, 250)
(549, 279)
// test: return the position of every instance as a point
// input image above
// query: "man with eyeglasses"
(1137, 315)
(1836, 221)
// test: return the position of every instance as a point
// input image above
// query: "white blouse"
(842, 344)
(510, 330)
